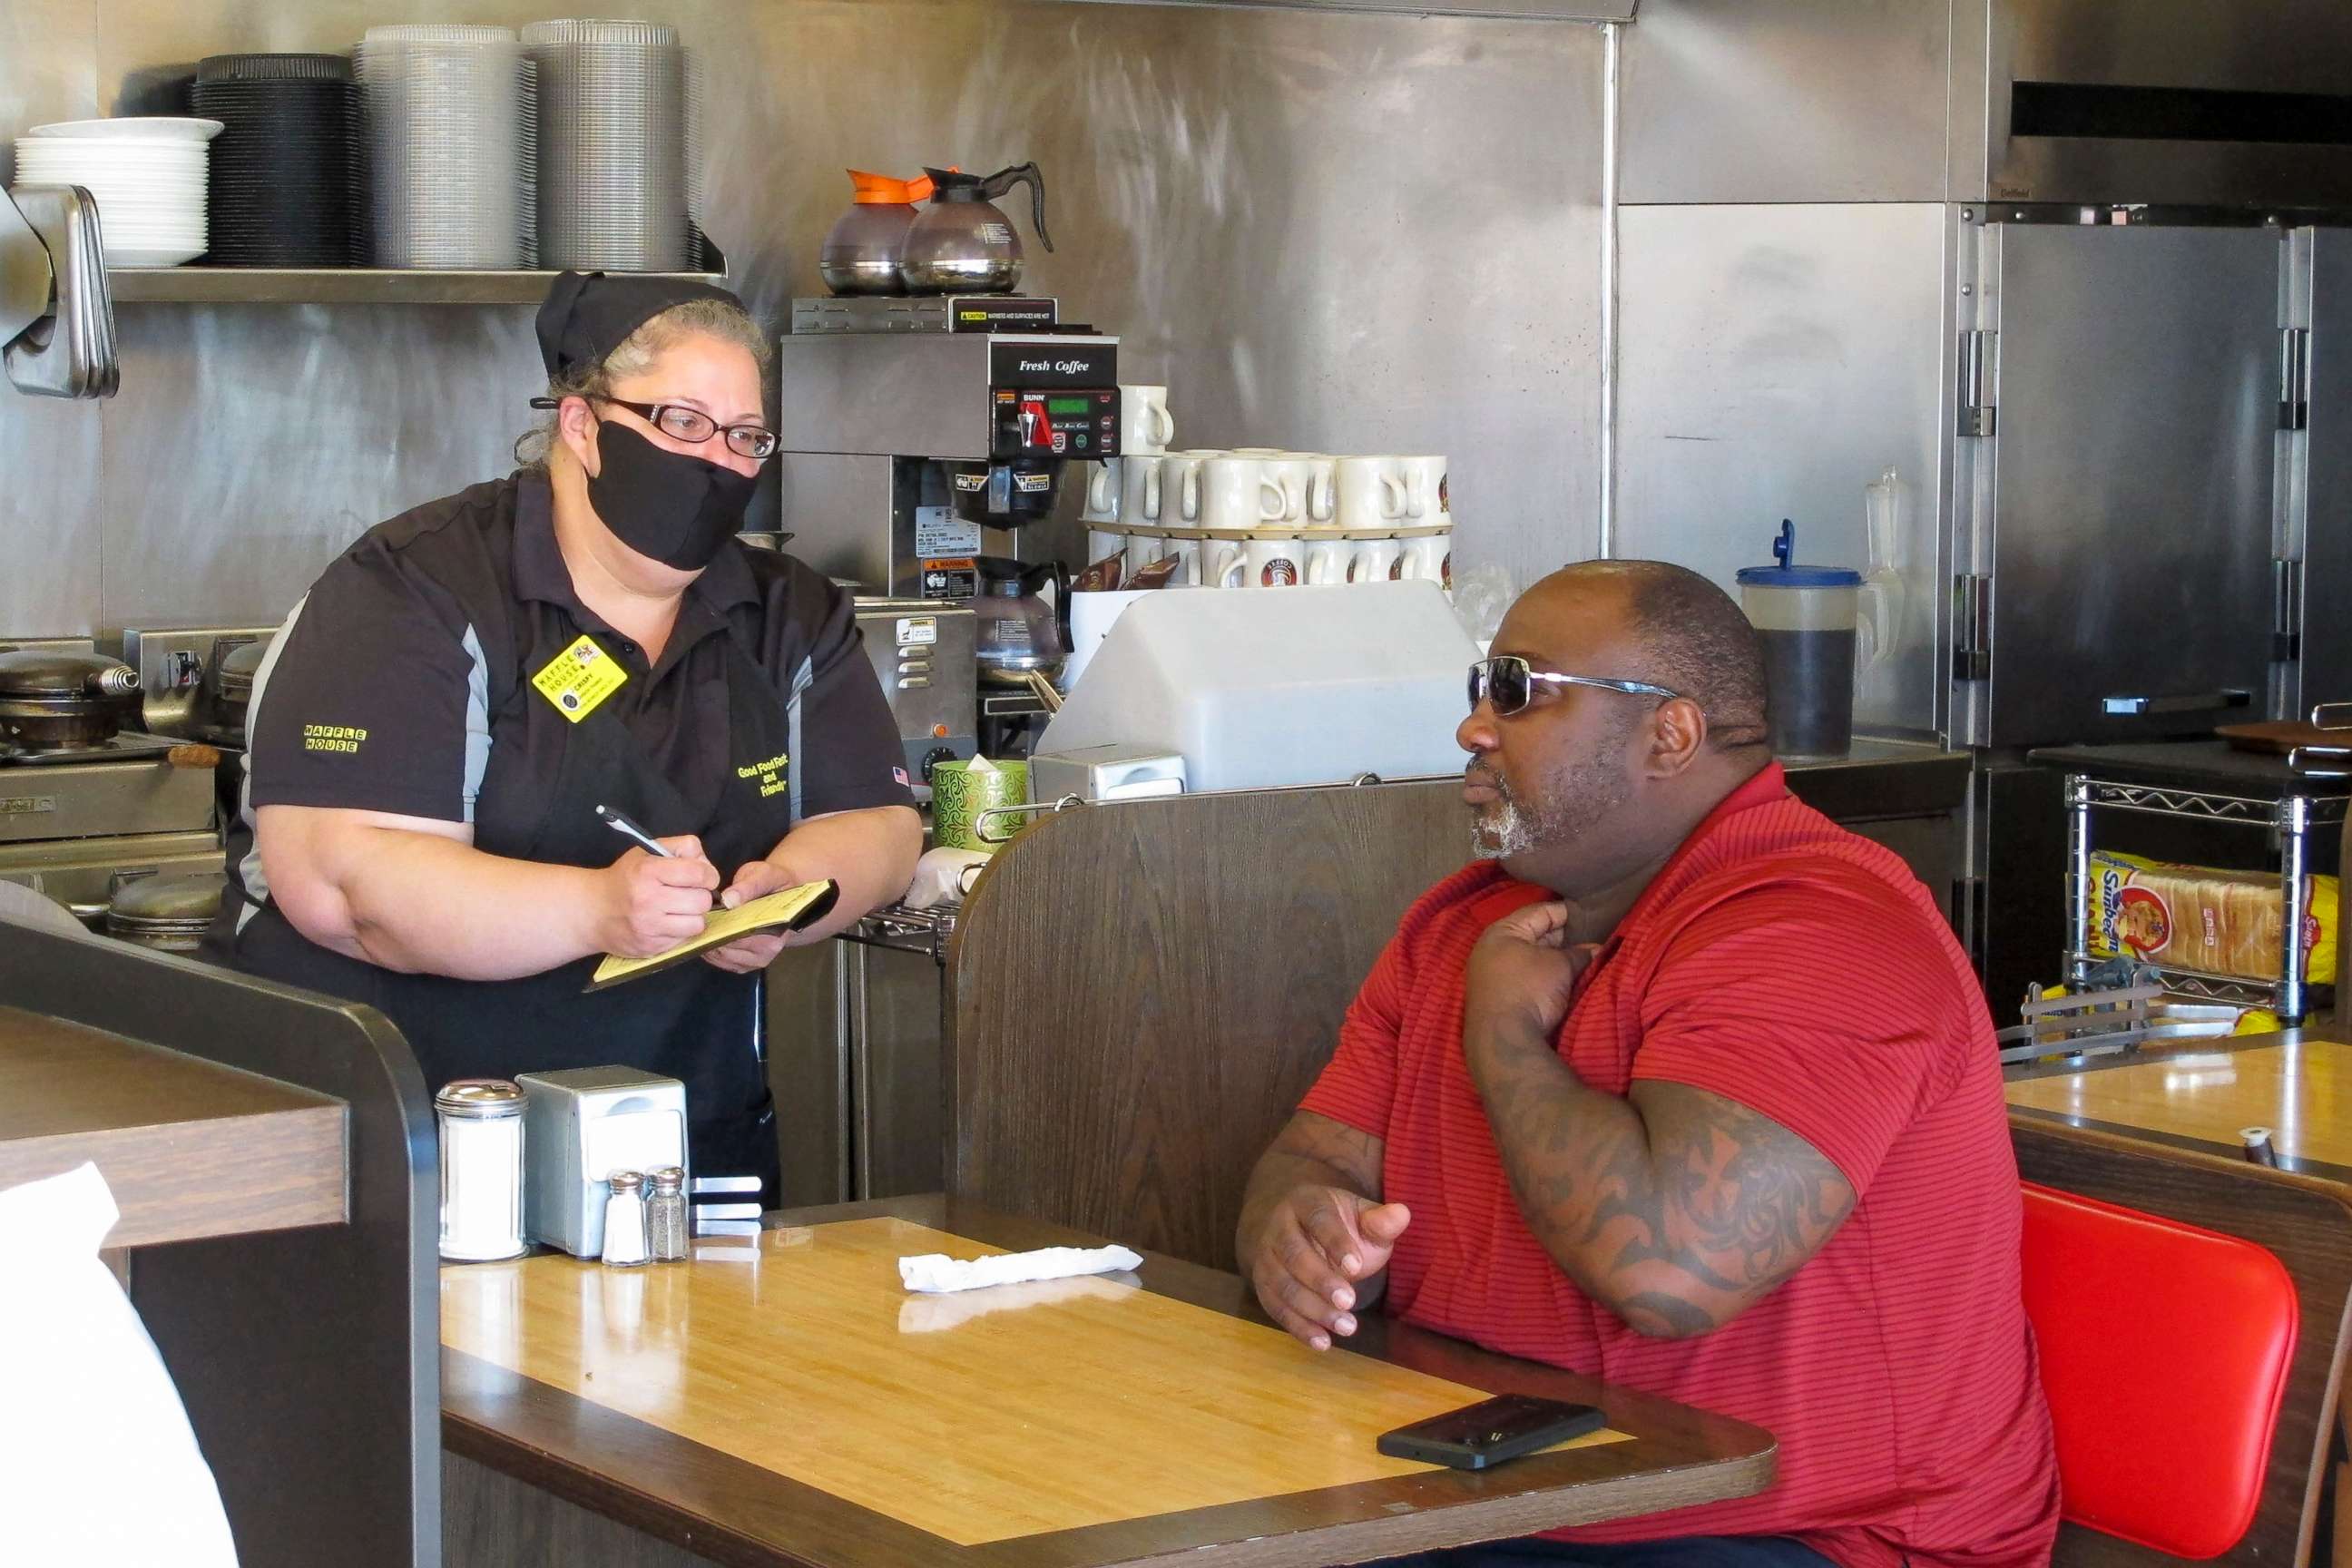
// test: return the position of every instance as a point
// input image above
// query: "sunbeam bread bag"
(2191, 917)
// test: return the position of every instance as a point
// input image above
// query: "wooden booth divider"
(1143, 991)
(273, 1155)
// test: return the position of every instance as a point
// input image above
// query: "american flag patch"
(900, 774)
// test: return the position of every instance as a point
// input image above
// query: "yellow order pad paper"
(787, 910)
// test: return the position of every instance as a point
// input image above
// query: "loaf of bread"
(2192, 916)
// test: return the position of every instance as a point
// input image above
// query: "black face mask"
(676, 508)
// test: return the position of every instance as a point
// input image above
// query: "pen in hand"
(621, 825)
(627, 829)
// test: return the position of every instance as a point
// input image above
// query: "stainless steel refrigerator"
(2078, 280)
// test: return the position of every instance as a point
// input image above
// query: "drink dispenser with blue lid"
(1805, 618)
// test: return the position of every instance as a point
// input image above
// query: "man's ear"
(1677, 735)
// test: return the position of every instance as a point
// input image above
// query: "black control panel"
(1082, 422)
(1054, 396)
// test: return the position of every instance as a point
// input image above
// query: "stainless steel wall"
(1339, 232)
(1776, 360)
(1796, 101)
(1909, 101)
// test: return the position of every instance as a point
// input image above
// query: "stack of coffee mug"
(1258, 516)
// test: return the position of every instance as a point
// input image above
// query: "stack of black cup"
(288, 168)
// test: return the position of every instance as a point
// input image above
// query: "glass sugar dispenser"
(480, 1123)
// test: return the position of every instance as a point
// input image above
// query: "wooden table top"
(785, 1400)
(189, 1148)
(2199, 1094)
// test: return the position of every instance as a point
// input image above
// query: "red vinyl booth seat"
(2164, 1355)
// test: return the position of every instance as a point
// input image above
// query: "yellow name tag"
(580, 677)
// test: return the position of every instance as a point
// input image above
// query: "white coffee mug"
(1372, 494)
(1144, 423)
(1139, 485)
(1322, 490)
(1142, 550)
(1429, 558)
(1174, 494)
(1425, 489)
(1106, 486)
(1101, 545)
(1260, 563)
(1237, 492)
(1374, 561)
(1306, 481)
(1328, 561)
(1187, 551)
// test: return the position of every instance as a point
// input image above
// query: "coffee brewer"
(919, 436)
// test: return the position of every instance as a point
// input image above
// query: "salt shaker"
(481, 1169)
(625, 1220)
(665, 1216)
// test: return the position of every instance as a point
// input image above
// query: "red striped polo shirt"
(1784, 962)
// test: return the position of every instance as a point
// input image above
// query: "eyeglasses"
(1508, 683)
(691, 426)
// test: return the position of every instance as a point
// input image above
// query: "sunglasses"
(1508, 683)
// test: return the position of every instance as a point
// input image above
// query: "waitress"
(441, 716)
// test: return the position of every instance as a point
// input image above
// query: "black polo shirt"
(379, 690)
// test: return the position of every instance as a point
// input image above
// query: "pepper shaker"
(481, 1169)
(665, 1216)
(625, 1220)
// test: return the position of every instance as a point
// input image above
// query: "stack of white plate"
(148, 174)
(612, 145)
(453, 146)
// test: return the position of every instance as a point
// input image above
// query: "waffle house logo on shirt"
(770, 771)
(341, 738)
(578, 679)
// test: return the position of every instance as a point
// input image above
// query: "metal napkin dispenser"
(581, 1124)
(1116, 771)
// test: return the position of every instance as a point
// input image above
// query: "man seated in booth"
(1687, 1088)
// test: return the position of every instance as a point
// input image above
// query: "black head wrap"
(586, 318)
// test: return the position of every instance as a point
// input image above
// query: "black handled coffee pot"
(1018, 632)
(962, 243)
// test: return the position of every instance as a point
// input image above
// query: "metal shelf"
(902, 929)
(2157, 800)
(2289, 818)
(2199, 984)
(337, 285)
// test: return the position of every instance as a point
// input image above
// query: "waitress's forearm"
(435, 906)
(871, 854)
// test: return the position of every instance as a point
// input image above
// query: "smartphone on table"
(1491, 1431)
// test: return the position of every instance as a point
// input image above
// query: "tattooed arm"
(1677, 1208)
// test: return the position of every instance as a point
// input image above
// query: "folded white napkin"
(935, 1314)
(936, 1272)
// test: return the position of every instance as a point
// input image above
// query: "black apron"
(695, 1023)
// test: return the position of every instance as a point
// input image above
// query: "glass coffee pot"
(1018, 632)
(865, 252)
(962, 243)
